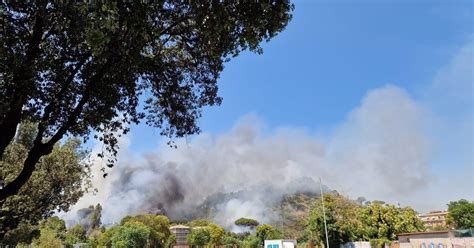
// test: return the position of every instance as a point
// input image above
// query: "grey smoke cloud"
(383, 151)
(383, 147)
(380, 139)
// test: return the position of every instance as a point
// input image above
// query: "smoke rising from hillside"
(380, 139)
(382, 151)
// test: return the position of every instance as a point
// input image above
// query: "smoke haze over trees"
(383, 141)
(253, 169)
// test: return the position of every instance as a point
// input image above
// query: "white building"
(437, 239)
(357, 244)
(280, 243)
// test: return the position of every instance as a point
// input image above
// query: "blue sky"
(332, 52)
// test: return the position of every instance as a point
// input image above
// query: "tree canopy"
(246, 222)
(461, 214)
(216, 234)
(76, 234)
(266, 231)
(76, 68)
(52, 232)
(343, 223)
(157, 224)
(199, 222)
(199, 236)
(131, 235)
(348, 221)
(383, 221)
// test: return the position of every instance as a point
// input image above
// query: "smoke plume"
(243, 172)
(382, 151)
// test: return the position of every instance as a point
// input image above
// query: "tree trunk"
(10, 123)
(34, 155)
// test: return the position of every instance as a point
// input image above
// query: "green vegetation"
(383, 221)
(294, 211)
(266, 231)
(131, 235)
(48, 238)
(95, 217)
(250, 242)
(171, 241)
(144, 230)
(348, 221)
(105, 239)
(216, 234)
(158, 226)
(342, 221)
(76, 234)
(229, 241)
(246, 222)
(199, 237)
(199, 222)
(24, 233)
(380, 243)
(461, 214)
(52, 233)
(58, 182)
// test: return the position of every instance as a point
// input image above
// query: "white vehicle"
(280, 243)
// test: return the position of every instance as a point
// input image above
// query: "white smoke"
(380, 146)
(383, 151)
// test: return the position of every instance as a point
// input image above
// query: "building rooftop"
(179, 227)
(434, 213)
(457, 233)
(428, 232)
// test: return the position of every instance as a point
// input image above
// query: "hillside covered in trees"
(300, 219)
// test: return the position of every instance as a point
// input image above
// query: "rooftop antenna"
(324, 213)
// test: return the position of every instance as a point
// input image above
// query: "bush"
(131, 235)
(157, 224)
(24, 233)
(76, 234)
(266, 231)
(229, 241)
(379, 243)
(171, 241)
(250, 242)
(199, 222)
(47, 238)
(105, 239)
(199, 237)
